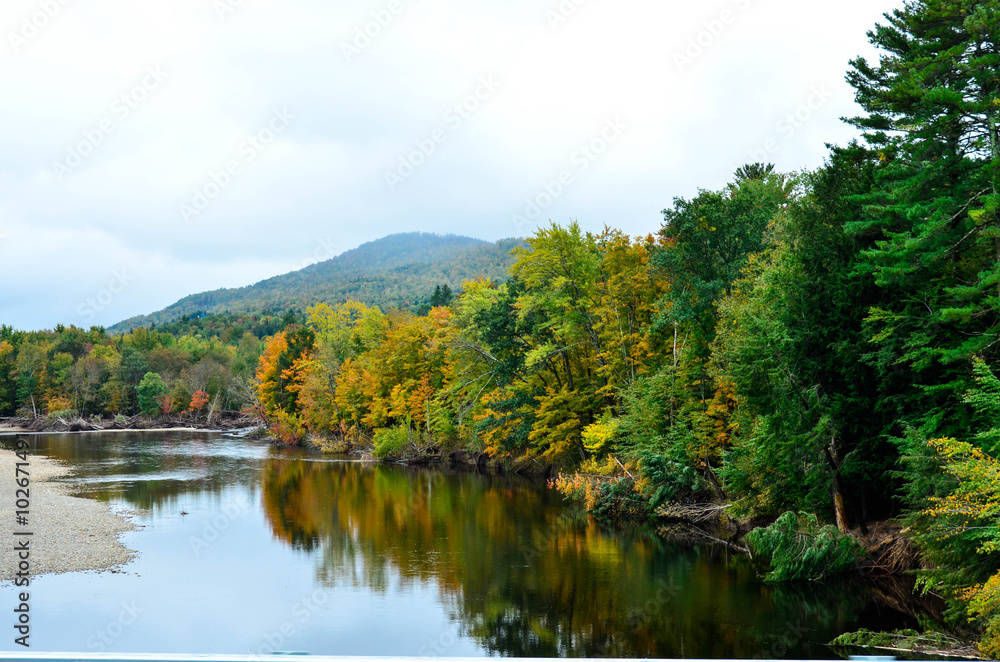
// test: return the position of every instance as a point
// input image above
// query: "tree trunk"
(838, 503)
(840, 510)
(211, 409)
(569, 371)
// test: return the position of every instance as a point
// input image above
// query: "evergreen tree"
(809, 432)
(932, 104)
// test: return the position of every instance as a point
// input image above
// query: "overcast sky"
(150, 149)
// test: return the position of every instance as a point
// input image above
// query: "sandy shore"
(71, 534)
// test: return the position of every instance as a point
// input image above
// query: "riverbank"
(907, 644)
(179, 423)
(431, 454)
(69, 534)
(885, 565)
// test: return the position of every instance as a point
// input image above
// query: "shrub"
(989, 647)
(618, 500)
(797, 547)
(663, 479)
(984, 604)
(64, 415)
(287, 428)
(390, 442)
(603, 494)
(598, 437)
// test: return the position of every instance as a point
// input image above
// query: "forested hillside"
(815, 350)
(801, 349)
(398, 271)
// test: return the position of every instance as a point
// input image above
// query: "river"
(249, 548)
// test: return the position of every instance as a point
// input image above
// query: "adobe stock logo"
(105, 637)
(455, 117)
(121, 109)
(563, 12)
(224, 8)
(117, 284)
(792, 123)
(712, 30)
(581, 160)
(219, 180)
(365, 34)
(32, 25)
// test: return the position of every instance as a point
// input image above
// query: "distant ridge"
(395, 271)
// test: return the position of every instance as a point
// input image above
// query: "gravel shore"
(71, 534)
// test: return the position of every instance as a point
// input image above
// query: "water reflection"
(151, 470)
(528, 576)
(453, 562)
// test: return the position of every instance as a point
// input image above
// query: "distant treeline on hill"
(398, 271)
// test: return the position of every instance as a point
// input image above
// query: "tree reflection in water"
(526, 575)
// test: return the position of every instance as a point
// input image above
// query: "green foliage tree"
(442, 296)
(810, 431)
(930, 225)
(707, 243)
(8, 375)
(150, 392)
(30, 364)
(959, 519)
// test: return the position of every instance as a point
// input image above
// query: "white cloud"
(325, 175)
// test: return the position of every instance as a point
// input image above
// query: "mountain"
(397, 271)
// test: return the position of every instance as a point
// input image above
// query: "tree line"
(818, 342)
(70, 372)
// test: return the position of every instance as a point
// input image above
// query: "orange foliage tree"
(198, 401)
(281, 374)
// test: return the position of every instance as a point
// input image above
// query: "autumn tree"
(280, 376)
(198, 401)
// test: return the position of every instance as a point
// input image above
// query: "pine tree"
(932, 104)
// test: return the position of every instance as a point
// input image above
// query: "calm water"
(281, 550)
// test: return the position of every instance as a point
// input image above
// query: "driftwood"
(699, 513)
(222, 421)
(963, 652)
(889, 552)
(908, 644)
